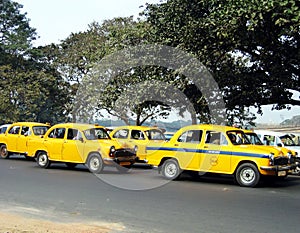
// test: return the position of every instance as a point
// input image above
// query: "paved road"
(143, 202)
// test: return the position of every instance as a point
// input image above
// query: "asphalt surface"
(142, 201)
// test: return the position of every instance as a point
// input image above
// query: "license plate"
(125, 163)
(282, 173)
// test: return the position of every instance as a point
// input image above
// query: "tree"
(30, 88)
(251, 47)
(15, 33)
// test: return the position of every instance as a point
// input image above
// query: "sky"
(55, 20)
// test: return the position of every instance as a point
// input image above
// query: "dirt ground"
(14, 223)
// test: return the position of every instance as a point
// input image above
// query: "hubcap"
(171, 170)
(3, 151)
(43, 160)
(94, 163)
(247, 175)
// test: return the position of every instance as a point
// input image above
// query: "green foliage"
(30, 88)
(250, 46)
(15, 32)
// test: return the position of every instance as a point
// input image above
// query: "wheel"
(43, 160)
(247, 175)
(171, 169)
(71, 165)
(95, 163)
(296, 171)
(3, 152)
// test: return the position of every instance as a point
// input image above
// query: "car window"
(137, 135)
(155, 134)
(269, 140)
(287, 140)
(122, 133)
(40, 130)
(74, 134)
(96, 133)
(57, 133)
(238, 138)
(191, 136)
(14, 130)
(214, 137)
(25, 130)
(254, 139)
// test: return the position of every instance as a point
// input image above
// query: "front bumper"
(122, 157)
(278, 168)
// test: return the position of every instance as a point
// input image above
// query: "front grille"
(123, 153)
(281, 161)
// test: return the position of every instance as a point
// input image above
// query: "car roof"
(141, 127)
(212, 127)
(81, 126)
(30, 123)
(269, 132)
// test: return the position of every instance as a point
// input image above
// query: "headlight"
(289, 155)
(112, 150)
(271, 158)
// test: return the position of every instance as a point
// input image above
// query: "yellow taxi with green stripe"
(218, 149)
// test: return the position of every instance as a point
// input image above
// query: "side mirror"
(81, 139)
(279, 144)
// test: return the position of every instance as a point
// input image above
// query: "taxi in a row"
(219, 149)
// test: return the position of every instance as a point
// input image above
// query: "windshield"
(254, 139)
(238, 138)
(155, 134)
(96, 133)
(287, 140)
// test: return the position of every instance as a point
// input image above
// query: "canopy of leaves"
(250, 46)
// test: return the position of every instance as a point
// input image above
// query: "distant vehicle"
(3, 128)
(16, 137)
(272, 138)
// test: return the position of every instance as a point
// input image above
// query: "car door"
(54, 143)
(12, 138)
(188, 151)
(73, 146)
(23, 139)
(216, 153)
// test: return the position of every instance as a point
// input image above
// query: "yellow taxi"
(218, 149)
(138, 137)
(17, 136)
(74, 143)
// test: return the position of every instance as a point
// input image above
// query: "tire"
(171, 169)
(43, 160)
(296, 171)
(3, 152)
(247, 175)
(95, 163)
(71, 165)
